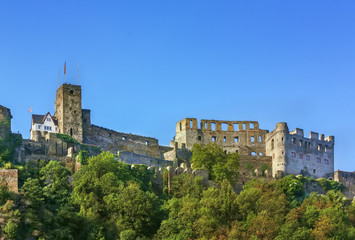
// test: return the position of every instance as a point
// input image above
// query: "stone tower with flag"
(68, 110)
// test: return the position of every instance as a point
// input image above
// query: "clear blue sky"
(144, 65)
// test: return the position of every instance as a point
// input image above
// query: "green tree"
(134, 209)
(57, 187)
(220, 165)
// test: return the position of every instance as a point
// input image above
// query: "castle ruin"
(262, 153)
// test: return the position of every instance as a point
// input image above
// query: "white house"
(44, 123)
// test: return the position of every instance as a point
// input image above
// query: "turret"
(275, 147)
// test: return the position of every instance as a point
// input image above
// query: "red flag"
(65, 68)
(30, 110)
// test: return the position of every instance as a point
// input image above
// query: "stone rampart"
(113, 141)
(348, 181)
(132, 158)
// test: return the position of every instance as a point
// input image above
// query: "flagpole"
(65, 71)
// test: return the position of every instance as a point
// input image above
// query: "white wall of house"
(48, 126)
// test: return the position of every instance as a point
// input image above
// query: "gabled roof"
(41, 118)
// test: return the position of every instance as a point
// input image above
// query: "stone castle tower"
(275, 147)
(68, 111)
(5, 121)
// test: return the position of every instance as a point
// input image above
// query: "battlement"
(312, 135)
(216, 125)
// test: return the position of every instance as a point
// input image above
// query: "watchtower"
(68, 110)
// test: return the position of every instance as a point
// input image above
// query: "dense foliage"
(7, 147)
(220, 165)
(107, 199)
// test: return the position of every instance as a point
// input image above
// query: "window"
(252, 139)
(71, 91)
(260, 138)
(213, 139)
(319, 160)
(251, 125)
(180, 127)
(236, 126)
(191, 124)
(225, 151)
(272, 144)
(124, 138)
(326, 162)
(146, 143)
(260, 154)
(225, 139)
(293, 140)
(319, 147)
(253, 153)
(308, 158)
(39, 126)
(199, 138)
(236, 139)
(224, 126)
(213, 126)
(300, 143)
(293, 154)
(325, 148)
(71, 132)
(48, 119)
(301, 156)
(243, 126)
(314, 171)
(205, 125)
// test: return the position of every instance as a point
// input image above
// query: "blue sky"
(144, 65)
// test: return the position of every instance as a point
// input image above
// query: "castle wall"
(132, 158)
(244, 137)
(295, 154)
(113, 141)
(348, 181)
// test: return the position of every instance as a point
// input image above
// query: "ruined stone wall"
(113, 141)
(132, 158)
(348, 181)
(292, 153)
(9, 178)
(5, 121)
(68, 111)
(251, 167)
(48, 148)
(244, 137)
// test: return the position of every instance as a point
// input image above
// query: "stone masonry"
(280, 152)
(5, 121)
